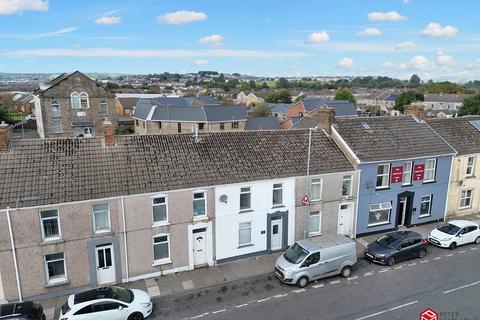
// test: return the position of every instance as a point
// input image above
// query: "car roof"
(18, 308)
(94, 294)
(401, 235)
(462, 223)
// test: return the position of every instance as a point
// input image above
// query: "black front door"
(404, 208)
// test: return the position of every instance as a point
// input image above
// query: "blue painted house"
(404, 170)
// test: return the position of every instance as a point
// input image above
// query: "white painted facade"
(228, 216)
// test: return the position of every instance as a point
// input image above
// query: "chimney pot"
(326, 116)
(108, 133)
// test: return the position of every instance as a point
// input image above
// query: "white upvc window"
(244, 233)
(161, 249)
(160, 210)
(430, 167)
(383, 175)
(55, 268)
(84, 100)
(347, 186)
(407, 173)
(55, 109)
(245, 198)
(277, 194)
(425, 206)
(103, 108)
(379, 213)
(57, 125)
(199, 204)
(75, 100)
(314, 223)
(316, 189)
(466, 198)
(50, 225)
(101, 218)
(470, 166)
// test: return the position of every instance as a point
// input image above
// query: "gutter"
(15, 263)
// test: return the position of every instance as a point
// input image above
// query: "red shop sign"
(397, 174)
(418, 171)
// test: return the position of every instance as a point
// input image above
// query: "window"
(244, 233)
(312, 259)
(160, 209)
(160, 125)
(316, 189)
(379, 213)
(466, 198)
(161, 248)
(430, 165)
(57, 125)
(347, 186)
(83, 100)
(55, 110)
(101, 218)
(75, 97)
(199, 207)
(235, 125)
(136, 123)
(314, 223)
(470, 166)
(222, 126)
(407, 173)
(277, 194)
(201, 126)
(179, 127)
(103, 108)
(50, 225)
(383, 173)
(245, 198)
(425, 205)
(55, 267)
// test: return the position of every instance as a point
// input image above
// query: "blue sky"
(437, 39)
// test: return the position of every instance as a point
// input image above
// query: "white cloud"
(181, 17)
(345, 63)
(201, 62)
(420, 63)
(402, 66)
(53, 33)
(405, 45)
(214, 38)
(108, 20)
(370, 32)
(318, 37)
(444, 59)
(18, 6)
(407, 1)
(434, 29)
(388, 64)
(386, 16)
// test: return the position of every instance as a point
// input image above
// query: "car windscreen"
(295, 254)
(124, 295)
(448, 228)
(388, 241)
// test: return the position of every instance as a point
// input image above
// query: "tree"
(407, 98)
(471, 105)
(261, 110)
(111, 86)
(415, 80)
(252, 84)
(282, 83)
(5, 116)
(344, 94)
(280, 97)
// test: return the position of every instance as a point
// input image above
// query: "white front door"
(105, 264)
(200, 247)
(345, 219)
(276, 234)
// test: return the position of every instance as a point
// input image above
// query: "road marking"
(387, 310)
(463, 251)
(449, 255)
(318, 286)
(412, 264)
(241, 305)
(368, 274)
(399, 267)
(424, 261)
(280, 295)
(263, 300)
(462, 287)
(474, 249)
(335, 282)
(352, 278)
(437, 258)
(384, 270)
(298, 290)
(200, 315)
(218, 311)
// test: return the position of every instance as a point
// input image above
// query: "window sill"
(160, 224)
(47, 242)
(378, 224)
(277, 206)
(103, 232)
(161, 262)
(245, 245)
(382, 188)
(314, 234)
(200, 218)
(465, 208)
(470, 177)
(428, 182)
(406, 185)
(245, 211)
(57, 282)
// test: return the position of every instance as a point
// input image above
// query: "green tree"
(111, 86)
(282, 83)
(407, 98)
(279, 97)
(261, 110)
(414, 79)
(344, 94)
(252, 84)
(471, 105)
(5, 116)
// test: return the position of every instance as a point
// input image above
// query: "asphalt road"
(446, 281)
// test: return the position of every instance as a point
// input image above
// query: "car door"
(462, 236)
(109, 310)
(404, 250)
(312, 265)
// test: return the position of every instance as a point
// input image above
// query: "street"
(446, 281)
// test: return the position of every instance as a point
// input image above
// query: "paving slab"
(150, 282)
(188, 284)
(164, 285)
(228, 273)
(153, 291)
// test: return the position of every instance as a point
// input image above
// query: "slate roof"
(459, 133)
(65, 170)
(444, 98)
(262, 123)
(280, 107)
(342, 108)
(128, 103)
(306, 122)
(391, 138)
(209, 101)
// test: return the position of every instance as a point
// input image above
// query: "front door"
(200, 247)
(105, 264)
(404, 208)
(276, 235)
(402, 211)
(345, 219)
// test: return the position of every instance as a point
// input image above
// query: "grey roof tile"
(459, 133)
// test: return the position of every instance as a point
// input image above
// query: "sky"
(436, 39)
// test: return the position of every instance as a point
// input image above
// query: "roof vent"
(476, 124)
(365, 126)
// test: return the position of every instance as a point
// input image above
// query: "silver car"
(316, 258)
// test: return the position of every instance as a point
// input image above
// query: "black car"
(396, 246)
(21, 311)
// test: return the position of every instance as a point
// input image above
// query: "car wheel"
(452, 245)
(135, 316)
(346, 272)
(303, 282)
(391, 261)
(477, 241)
(422, 253)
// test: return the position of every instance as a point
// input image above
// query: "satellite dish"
(224, 198)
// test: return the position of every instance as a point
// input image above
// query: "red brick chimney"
(5, 133)
(108, 133)
(326, 116)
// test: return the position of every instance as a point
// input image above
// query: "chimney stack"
(416, 110)
(326, 116)
(5, 133)
(108, 133)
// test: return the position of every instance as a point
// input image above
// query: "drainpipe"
(357, 200)
(125, 237)
(14, 255)
(305, 232)
(448, 186)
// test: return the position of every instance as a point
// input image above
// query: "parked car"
(30, 117)
(316, 258)
(107, 303)
(396, 246)
(455, 233)
(26, 310)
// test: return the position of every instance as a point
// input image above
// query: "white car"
(30, 117)
(455, 233)
(107, 303)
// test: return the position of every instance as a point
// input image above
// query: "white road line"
(449, 255)
(462, 287)
(384, 270)
(399, 267)
(335, 282)
(263, 300)
(424, 261)
(368, 274)
(219, 311)
(200, 315)
(298, 290)
(241, 305)
(412, 264)
(280, 295)
(352, 278)
(437, 258)
(387, 310)
(473, 249)
(318, 286)
(463, 251)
